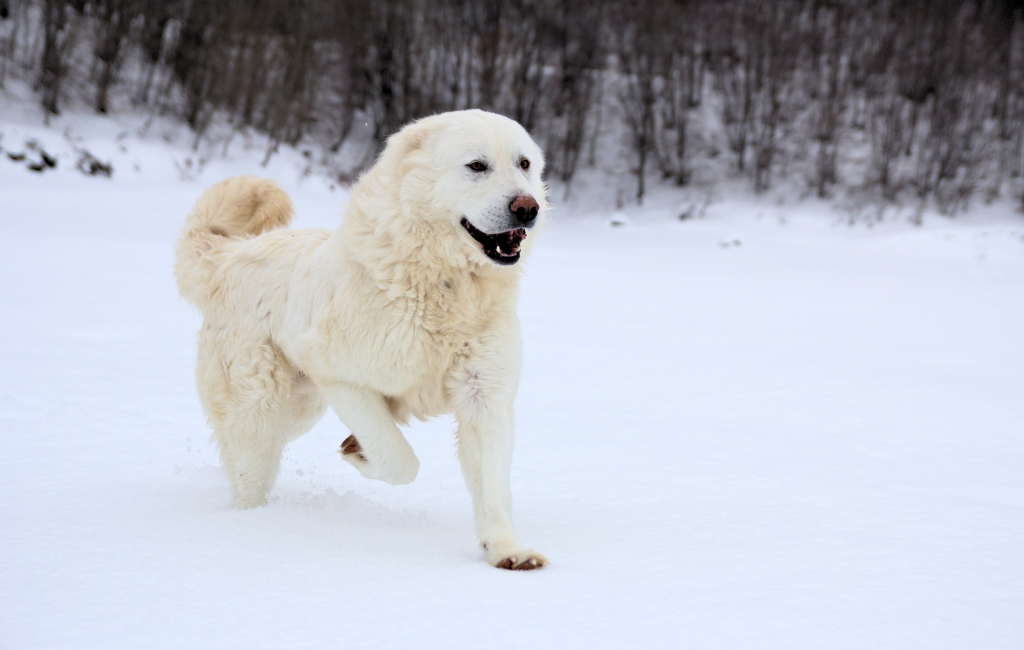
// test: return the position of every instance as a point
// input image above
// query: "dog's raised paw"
(393, 473)
(351, 446)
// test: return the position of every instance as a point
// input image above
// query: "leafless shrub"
(889, 124)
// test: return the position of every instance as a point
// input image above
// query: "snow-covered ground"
(760, 428)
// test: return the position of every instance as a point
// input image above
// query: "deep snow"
(759, 428)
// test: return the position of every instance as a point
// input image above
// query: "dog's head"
(474, 176)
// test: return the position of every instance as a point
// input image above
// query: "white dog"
(409, 308)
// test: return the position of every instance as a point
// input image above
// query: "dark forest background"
(902, 99)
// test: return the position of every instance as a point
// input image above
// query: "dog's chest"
(451, 326)
(406, 340)
(425, 386)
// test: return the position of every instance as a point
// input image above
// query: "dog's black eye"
(477, 166)
(524, 164)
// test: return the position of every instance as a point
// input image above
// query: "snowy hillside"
(759, 427)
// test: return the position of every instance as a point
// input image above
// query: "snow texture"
(755, 428)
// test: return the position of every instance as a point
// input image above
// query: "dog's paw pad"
(351, 446)
(527, 563)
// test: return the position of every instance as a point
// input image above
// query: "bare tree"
(775, 40)
(682, 87)
(113, 22)
(577, 42)
(59, 27)
(734, 62)
(640, 56)
(829, 90)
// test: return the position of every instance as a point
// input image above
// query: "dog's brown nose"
(525, 209)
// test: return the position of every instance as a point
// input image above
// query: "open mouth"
(502, 248)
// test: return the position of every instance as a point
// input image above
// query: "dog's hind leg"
(247, 399)
(251, 468)
(376, 447)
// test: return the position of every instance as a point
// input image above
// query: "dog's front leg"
(376, 447)
(486, 435)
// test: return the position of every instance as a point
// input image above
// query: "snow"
(760, 427)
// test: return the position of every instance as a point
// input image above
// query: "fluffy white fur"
(398, 312)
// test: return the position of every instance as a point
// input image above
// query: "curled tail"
(239, 207)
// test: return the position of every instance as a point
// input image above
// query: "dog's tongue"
(509, 243)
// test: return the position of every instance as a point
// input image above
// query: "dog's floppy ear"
(407, 140)
(415, 135)
(404, 145)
